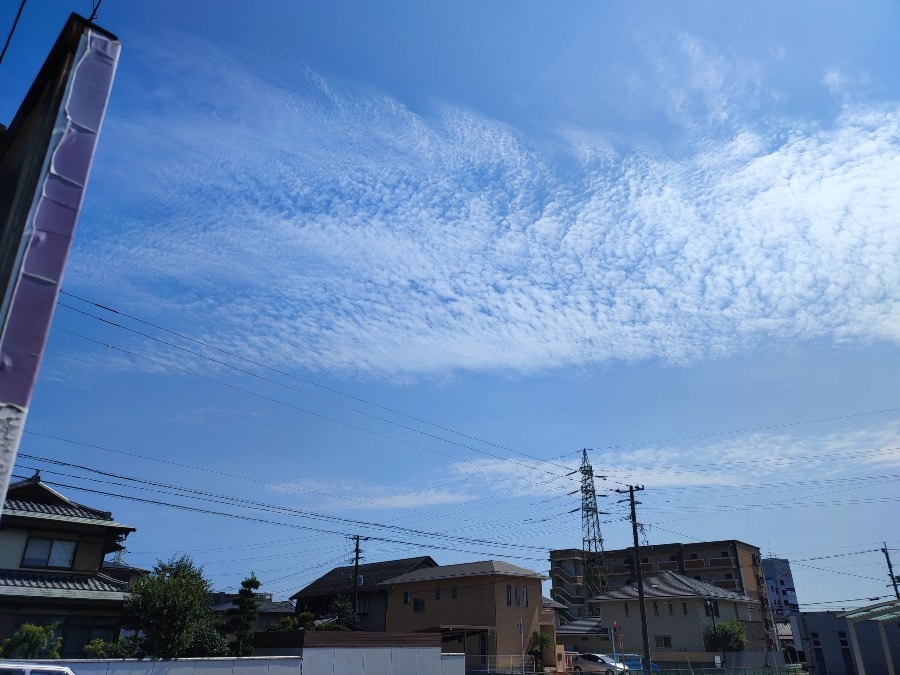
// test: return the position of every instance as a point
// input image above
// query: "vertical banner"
(45, 160)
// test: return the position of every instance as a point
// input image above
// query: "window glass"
(62, 554)
(453, 593)
(12, 671)
(525, 596)
(419, 605)
(517, 595)
(37, 553)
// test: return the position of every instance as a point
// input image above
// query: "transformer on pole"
(595, 582)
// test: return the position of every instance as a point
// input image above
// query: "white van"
(16, 668)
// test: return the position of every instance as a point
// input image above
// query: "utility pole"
(356, 573)
(640, 575)
(887, 556)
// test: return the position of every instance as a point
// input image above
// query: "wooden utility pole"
(887, 556)
(640, 576)
(356, 538)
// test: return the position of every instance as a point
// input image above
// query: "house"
(485, 609)
(371, 595)
(679, 611)
(267, 610)
(51, 560)
(728, 564)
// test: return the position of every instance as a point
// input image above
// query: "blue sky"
(472, 239)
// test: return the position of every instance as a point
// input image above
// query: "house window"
(697, 578)
(671, 609)
(407, 597)
(645, 560)
(453, 593)
(729, 576)
(673, 558)
(517, 595)
(655, 608)
(684, 608)
(362, 606)
(419, 605)
(663, 641)
(508, 595)
(49, 553)
(693, 556)
(626, 609)
(437, 593)
(724, 554)
(781, 581)
(525, 596)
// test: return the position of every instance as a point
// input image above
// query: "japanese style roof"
(550, 603)
(673, 585)
(33, 498)
(62, 585)
(591, 625)
(474, 569)
(264, 607)
(882, 611)
(340, 579)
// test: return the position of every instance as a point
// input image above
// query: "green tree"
(536, 646)
(30, 640)
(727, 636)
(303, 620)
(171, 606)
(242, 617)
(342, 608)
(208, 641)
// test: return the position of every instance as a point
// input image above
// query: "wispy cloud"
(320, 224)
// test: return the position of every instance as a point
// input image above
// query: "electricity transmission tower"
(591, 539)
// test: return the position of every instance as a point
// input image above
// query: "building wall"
(685, 625)
(12, 547)
(828, 647)
(14, 538)
(480, 601)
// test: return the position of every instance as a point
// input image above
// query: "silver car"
(597, 663)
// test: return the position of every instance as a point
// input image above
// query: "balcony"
(667, 565)
(720, 562)
(694, 564)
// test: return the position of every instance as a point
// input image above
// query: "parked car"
(15, 668)
(597, 663)
(634, 661)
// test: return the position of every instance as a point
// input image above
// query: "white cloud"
(322, 225)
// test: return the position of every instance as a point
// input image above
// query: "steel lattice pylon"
(595, 582)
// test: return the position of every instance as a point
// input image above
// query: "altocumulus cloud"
(321, 224)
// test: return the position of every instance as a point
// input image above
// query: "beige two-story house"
(51, 557)
(476, 607)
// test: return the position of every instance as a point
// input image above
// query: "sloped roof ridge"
(478, 568)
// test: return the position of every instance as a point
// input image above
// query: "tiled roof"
(12, 581)
(673, 585)
(340, 579)
(72, 510)
(265, 607)
(591, 625)
(474, 569)
(550, 603)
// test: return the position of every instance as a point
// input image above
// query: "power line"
(12, 30)
(250, 503)
(281, 372)
(310, 412)
(265, 521)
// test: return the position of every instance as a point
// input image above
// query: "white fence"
(315, 661)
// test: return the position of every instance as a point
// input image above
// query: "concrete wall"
(12, 548)
(317, 661)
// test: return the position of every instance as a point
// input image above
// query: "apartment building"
(780, 588)
(728, 564)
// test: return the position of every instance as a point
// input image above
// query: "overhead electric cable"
(265, 521)
(306, 410)
(281, 372)
(12, 30)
